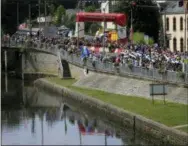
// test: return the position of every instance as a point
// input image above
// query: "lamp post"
(30, 19)
(104, 11)
(164, 29)
(45, 12)
(39, 13)
(131, 26)
(17, 12)
(39, 22)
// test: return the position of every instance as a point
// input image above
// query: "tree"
(145, 15)
(9, 21)
(52, 10)
(69, 21)
(88, 25)
(138, 38)
(59, 14)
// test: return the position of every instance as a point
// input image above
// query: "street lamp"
(30, 20)
(104, 10)
(45, 12)
(17, 12)
(133, 4)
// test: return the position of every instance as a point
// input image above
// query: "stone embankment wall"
(125, 85)
(36, 62)
(140, 123)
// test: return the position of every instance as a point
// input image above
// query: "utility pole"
(30, 19)
(131, 26)
(45, 13)
(39, 21)
(39, 14)
(17, 14)
(164, 30)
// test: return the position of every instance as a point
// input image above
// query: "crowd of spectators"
(135, 54)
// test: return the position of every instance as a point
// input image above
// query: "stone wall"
(128, 86)
(125, 85)
(140, 123)
(40, 62)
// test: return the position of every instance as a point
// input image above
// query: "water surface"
(31, 116)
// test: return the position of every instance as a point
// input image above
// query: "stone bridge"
(55, 61)
(102, 76)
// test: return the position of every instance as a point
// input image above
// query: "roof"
(172, 7)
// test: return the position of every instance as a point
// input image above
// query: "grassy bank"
(185, 129)
(171, 114)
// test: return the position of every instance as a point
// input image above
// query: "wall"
(178, 34)
(40, 62)
(127, 119)
(124, 85)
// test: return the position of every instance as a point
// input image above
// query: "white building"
(176, 26)
(106, 9)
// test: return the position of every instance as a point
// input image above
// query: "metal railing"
(108, 67)
(125, 70)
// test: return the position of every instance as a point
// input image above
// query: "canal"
(31, 116)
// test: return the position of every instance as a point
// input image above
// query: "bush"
(138, 38)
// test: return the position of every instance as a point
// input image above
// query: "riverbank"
(172, 114)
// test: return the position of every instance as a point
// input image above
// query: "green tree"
(59, 14)
(69, 21)
(88, 25)
(52, 10)
(90, 8)
(138, 38)
(145, 16)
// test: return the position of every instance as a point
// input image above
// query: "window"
(181, 23)
(167, 24)
(181, 44)
(174, 44)
(174, 24)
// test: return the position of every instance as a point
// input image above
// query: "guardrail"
(125, 70)
(108, 67)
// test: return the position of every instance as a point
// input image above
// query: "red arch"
(117, 18)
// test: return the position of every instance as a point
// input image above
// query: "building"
(175, 24)
(106, 7)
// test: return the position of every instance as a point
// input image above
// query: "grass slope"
(171, 114)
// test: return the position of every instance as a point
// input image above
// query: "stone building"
(175, 22)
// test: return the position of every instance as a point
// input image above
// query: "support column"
(5, 54)
(6, 82)
(22, 65)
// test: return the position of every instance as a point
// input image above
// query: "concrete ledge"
(140, 123)
(36, 75)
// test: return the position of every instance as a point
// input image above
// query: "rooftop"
(172, 7)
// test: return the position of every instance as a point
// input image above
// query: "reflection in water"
(39, 118)
(29, 127)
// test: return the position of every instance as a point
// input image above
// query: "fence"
(125, 70)
(122, 70)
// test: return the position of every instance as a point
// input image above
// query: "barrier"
(123, 70)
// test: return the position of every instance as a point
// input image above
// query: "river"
(31, 116)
